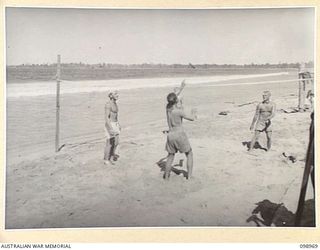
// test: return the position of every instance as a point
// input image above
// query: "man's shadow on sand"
(162, 165)
(256, 145)
(276, 214)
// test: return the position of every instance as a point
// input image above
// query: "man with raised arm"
(261, 122)
(177, 139)
(178, 91)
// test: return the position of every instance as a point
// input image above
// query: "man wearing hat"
(112, 128)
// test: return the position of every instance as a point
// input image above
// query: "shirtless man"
(262, 119)
(177, 139)
(112, 128)
(177, 91)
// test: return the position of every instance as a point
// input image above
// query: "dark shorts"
(264, 126)
(177, 141)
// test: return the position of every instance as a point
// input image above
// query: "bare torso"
(174, 118)
(265, 111)
(113, 109)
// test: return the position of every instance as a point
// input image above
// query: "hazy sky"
(240, 36)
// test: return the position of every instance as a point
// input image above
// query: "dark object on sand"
(290, 110)
(272, 214)
(224, 113)
(244, 104)
(290, 157)
(276, 214)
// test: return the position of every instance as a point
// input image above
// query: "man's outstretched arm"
(192, 116)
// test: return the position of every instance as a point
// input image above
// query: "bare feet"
(108, 162)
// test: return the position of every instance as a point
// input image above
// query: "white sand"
(74, 189)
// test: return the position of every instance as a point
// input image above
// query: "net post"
(58, 102)
(302, 87)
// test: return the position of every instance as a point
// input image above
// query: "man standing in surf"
(265, 111)
(177, 139)
(112, 129)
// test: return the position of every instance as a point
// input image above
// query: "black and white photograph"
(156, 118)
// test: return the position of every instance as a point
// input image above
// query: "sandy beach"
(74, 189)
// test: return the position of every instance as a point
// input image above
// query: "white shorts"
(115, 127)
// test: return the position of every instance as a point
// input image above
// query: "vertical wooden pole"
(307, 171)
(58, 103)
(301, 95)
(302, 86)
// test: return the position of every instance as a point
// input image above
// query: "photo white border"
(157, 234)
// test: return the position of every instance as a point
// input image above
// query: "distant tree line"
(309, 64)
(104, 71)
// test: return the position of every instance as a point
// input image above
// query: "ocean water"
(14, 90)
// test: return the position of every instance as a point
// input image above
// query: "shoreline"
(71, 87)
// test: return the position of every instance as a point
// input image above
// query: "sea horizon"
(42, 88)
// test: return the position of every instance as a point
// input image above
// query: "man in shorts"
(112, 128)
(177, 139)
(265, 111)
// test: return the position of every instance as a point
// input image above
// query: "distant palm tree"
(192, 66)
